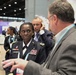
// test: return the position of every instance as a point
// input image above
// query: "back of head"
(63, 10)
(27, 23)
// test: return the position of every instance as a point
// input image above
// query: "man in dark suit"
(62, 59)
(42, 34)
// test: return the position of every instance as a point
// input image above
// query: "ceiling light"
(4, 13)
(15, 2)
(19, 8)
(14, 10)
(0, 8)
(25, 8)
(4, 7)
(9, 5)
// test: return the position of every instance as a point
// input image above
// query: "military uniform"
(8, 43)
(35, 51)
(7, 46)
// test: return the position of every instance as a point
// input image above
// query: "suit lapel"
(51, 54)
(20, 48)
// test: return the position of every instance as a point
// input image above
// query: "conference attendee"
(43, 35)
(9, 39)
(62, 58)
(28, 48)
(4, 32)
(12, 37)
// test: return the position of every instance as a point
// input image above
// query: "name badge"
(10, 74)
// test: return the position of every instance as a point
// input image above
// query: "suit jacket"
(47, 39)
(62, 61)
(35, 50)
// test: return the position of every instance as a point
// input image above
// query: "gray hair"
(63, 10)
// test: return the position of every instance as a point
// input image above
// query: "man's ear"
(55, 19)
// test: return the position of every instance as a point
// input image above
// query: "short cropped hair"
(63, 10)
(27, 23)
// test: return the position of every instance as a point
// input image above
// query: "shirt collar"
(62, 33)
(27, 44)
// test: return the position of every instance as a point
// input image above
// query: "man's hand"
(43, 27)
(15, 63)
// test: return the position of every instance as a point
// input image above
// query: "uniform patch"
(33, 52)
(15, 48)
(42, 44)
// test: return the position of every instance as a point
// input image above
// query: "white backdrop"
(13, 24)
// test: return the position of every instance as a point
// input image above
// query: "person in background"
(62, 58)
(43, 35)
(9, 39)
(28, 48)
(12, 37)
(4, 32)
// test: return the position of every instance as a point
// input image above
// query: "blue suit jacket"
(47, 39)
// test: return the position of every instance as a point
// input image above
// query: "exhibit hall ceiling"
(12, 8)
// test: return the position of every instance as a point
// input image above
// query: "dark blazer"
(47, 39)
(7, 45)
(62, 61)
(36, 51)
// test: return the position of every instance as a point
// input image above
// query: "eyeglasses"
(50, 17)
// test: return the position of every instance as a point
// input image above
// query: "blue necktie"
(37, 35)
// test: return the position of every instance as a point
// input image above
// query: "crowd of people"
(31, 42)
(38, 51)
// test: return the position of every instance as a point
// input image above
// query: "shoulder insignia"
(42, 44)
(33, 42)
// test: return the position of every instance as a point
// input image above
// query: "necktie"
(24, 47)
(37, 35)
